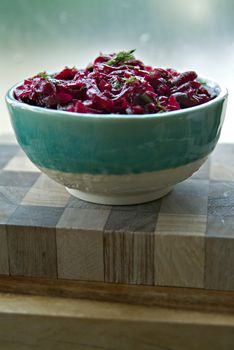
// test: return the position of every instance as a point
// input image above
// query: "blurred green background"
(47, 35)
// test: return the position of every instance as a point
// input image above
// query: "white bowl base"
(120, 199)
(125, 189)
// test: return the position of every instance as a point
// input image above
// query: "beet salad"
(115, 83)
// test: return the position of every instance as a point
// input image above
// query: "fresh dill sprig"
(146, 99)
(130, 80)
(160, 107)
(117, 85)
(121, 57)
(44, 75)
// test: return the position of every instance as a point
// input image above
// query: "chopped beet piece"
(114, 83)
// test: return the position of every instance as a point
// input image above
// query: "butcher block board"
(185, 239)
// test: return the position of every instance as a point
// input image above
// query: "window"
(46, 35)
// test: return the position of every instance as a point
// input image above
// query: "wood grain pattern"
(6, 210)
(220, 226)
(179, 260)
(192, 186)
(131, 221)
(32, 251)
(164, 297)
(181, 224)
(7, 152)
(84, 219)
(4, 266)
(221, 199)
(10, 198)
(182, 204)
(61, 324)
(18, 178)
(80, 243)
(164, 242)
(46, 192)
(35, 216)
(222, 164)
(21, 163)
(129, 246)
(80, 255)
(12, 195)
(129, 257)
(219, 263)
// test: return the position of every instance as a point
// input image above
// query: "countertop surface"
(185, 239)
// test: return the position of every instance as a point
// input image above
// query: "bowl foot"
(125, 199)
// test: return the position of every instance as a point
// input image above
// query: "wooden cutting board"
(185, 239)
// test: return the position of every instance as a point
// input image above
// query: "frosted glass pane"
(46, 35)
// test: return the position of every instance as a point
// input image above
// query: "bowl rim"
(223, 93)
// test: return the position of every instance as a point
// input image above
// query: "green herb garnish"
(146, 99)
(130, 80)
(116, 84)
(121, 57)
(162, 109)
(43, 75)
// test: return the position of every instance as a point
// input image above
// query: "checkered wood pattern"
(185, 239)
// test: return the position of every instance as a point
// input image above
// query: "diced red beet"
(137, 109)
(66, 74)
(172, 104)
(63, 98)
(114, 83)
(184, 78)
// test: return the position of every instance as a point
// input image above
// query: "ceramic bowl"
(118, 159)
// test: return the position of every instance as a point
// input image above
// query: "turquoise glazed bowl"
(118, 159)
